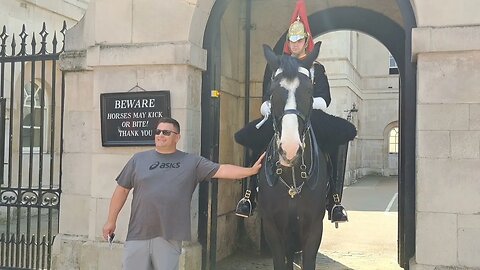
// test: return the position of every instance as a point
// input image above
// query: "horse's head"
(291, 99)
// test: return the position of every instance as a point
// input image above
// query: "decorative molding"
(180, 53)
(445, 39)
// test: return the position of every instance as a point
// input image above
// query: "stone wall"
(110, 52)
(448, 147)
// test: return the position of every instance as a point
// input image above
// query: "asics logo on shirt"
(164, 165)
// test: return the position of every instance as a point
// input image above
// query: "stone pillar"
(448, 147)
(116, 46)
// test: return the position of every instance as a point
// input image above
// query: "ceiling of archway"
(270, 18)
(283, 9)
(389, 8)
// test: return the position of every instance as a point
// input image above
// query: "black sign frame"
(128, 118)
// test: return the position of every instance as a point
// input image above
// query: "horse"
(292, 187)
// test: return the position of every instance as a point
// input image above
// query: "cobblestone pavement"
(332, 261)
(339, 250)
(367, 242)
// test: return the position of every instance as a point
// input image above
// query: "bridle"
(274, 151)
(305, 118)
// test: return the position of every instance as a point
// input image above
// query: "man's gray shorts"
(153, 254)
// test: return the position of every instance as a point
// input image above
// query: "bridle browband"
(302, 70)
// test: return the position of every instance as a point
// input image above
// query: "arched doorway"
(394, 36)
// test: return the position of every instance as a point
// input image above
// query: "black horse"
(293, 179)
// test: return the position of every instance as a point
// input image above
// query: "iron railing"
(32, 94)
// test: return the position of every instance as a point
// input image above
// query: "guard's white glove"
(265, 109)
(318, 104)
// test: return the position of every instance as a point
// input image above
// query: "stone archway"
(397, 40)
(395, 37)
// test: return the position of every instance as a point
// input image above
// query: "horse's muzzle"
(286, 161)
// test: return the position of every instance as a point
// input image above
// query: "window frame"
(27, 110)
(395, 143)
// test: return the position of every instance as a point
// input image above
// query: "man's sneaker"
(244, 208)
(338, 214)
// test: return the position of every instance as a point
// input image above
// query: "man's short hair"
(169, 120)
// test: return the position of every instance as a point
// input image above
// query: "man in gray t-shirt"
(163, 181)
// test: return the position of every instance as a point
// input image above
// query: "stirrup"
(341, 214)
(297, 259)
(244, 208)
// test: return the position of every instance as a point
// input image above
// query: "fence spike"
(63, 31)
(33, 43)
(23, 44)
(43, 33)
(14, 44)
(3, 37)
(54, 42)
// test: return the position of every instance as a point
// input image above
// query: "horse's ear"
(272, 59)
(312, 56)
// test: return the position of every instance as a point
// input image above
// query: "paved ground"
(367, 242)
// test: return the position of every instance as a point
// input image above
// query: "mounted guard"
(332, 133)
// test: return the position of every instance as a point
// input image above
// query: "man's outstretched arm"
(229, 171)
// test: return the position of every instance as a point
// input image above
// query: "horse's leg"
(276, 241)
(311, 245)
(289, 256)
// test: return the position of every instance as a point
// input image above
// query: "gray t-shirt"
(163, 185)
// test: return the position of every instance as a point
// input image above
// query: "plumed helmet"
(296, 31)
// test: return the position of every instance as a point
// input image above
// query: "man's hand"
(258, 164)
(108, 229)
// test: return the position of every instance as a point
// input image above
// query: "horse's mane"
(289, 65)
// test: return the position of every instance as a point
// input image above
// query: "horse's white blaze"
(290, 138)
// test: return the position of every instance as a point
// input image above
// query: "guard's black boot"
(244, 206)
(339, 214)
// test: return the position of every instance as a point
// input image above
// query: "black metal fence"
(31, 125)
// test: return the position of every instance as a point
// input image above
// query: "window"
(393, 141)
(32, 107)
(392, 65)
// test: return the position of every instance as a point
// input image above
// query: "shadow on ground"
(245, 261)
(367, 242)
